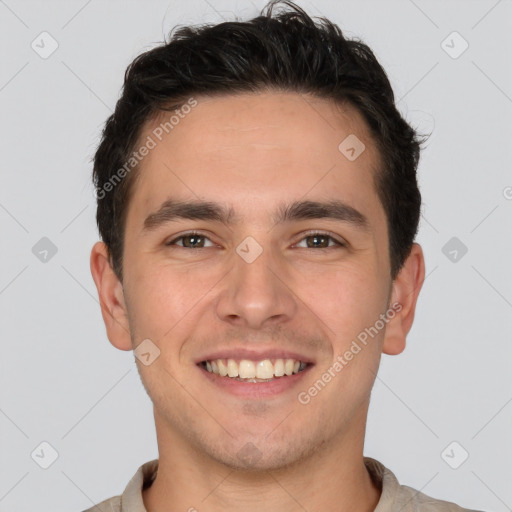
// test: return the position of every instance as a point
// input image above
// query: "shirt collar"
(131, 499)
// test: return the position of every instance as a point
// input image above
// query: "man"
(258, 203)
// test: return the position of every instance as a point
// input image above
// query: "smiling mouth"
(246, 370)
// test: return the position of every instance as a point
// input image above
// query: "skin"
(254, 151)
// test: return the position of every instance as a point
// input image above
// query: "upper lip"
(254, 355)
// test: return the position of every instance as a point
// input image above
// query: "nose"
(257, 293)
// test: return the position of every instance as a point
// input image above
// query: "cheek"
(347, 299)
(164, 298)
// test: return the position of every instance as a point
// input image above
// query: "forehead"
(253, 149)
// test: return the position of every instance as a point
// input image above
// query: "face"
(264, 273)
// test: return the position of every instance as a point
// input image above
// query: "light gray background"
(61, 380)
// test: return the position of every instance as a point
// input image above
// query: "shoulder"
(412, 500)
(131, 499)
(110, 505)
(396, 497)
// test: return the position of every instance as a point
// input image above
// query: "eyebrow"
(173, 209)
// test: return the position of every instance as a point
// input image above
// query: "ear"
(110, 292)
(405, 290)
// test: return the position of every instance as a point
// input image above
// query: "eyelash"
(305, 235)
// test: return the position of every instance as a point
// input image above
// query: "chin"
(254, 456)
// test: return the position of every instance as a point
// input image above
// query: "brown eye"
(190, 241)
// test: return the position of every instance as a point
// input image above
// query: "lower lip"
(256, 389)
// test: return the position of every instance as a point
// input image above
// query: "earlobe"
(405, 291)
(111, 297)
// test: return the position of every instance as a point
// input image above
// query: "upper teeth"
(247, 369)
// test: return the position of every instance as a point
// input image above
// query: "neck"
(334, 477)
